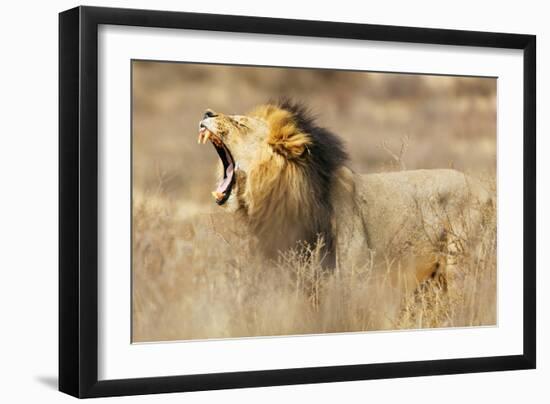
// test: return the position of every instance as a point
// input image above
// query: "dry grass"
(197, 278)
(195, 273)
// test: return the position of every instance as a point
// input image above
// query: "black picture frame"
(78, 201)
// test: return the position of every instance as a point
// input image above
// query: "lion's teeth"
(206, 136)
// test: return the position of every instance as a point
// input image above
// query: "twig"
(398, 158)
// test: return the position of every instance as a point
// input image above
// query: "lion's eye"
(241, 125)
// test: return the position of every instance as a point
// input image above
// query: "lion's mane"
(288, 190)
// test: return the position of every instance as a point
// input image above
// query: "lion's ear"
(285, 137)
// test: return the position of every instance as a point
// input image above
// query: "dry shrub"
(199, 277)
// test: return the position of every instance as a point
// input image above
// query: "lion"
(288, 179)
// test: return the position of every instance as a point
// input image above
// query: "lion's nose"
(209, 114)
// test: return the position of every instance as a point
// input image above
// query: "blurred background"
(445, 121)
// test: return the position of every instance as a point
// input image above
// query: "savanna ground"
(195, 275)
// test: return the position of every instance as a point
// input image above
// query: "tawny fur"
(293, 187)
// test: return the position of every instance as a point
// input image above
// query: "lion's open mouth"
(223, 190)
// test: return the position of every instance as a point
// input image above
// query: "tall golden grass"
(199, 278)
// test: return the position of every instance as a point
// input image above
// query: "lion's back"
(417, 205)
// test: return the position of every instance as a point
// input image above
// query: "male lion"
(288, 180)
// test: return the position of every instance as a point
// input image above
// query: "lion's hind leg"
(427, 302)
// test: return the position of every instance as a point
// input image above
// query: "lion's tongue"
(227, 175)
(222, 187)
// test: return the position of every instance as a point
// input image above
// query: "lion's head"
(277, 168)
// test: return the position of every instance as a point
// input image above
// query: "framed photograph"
(251, 201)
